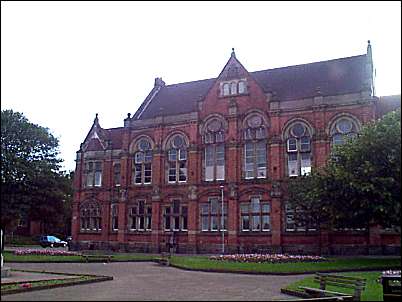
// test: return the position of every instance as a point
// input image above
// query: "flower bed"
(46, 252)
(271, 258)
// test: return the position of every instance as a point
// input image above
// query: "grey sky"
(62, 62)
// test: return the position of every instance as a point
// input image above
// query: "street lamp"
(222, 224)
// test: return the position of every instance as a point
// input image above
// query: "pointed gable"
(233, 69)
(96, 139)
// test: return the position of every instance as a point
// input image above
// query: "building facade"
(203, 165)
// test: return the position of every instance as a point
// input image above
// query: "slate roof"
(388, 103)
(333, 77)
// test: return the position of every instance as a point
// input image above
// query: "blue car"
(51, 241)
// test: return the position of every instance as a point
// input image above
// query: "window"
(255, 216)
(298, 147)
(343, 128)
(291, 225)
(177, 160)
(140, 216)
(242, 87)
(214, 161)
(115, 217)
(93, 174)
(143, 163)
(211, 215)
(90, 217)
(234, 87)
(175, 216)
(116, 174)
(255, 149)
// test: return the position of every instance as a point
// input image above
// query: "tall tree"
(30, 168)
(361, 184)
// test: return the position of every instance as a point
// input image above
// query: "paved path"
(150, 281)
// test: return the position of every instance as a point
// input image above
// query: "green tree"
(32, 184)
(361, 184)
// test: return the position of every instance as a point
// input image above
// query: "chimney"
(159, 82)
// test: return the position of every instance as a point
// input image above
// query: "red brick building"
(236, 138)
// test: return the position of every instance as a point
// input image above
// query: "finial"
(128, 115)
(368, 42)
(233, 52)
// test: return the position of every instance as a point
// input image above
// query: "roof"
(333, 77)
(388, 103)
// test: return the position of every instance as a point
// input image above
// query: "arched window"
(242, 87)
(233, 88)
(143, 162)
(90, 217)
(226, 89)
(342, 128)
(214, 160)
(298, 150)
(177, 159)
(255, 148)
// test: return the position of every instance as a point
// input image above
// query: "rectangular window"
(98, 174)
(305, 144)
(116, 168)
(261, 160)
(292, 145)
(172, 172)
(204, 217)
(220, 162)
(211, 215)
(167, 219)
(176, 217)
(147, 173)
(138, 174)
(255, 216)
(115, 217)
(90, 174)
(209, 163)
(305, 163)
(292, 164)
(182, 172)
(249, 160)
(148, 220)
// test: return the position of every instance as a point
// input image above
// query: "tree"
(32, 184)
(361, 184)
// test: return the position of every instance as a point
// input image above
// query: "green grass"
(372, 291)
(334, 264)
(10, 257)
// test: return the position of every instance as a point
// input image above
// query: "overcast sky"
(63, 62)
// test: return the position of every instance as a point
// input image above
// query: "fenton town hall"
(203, 165)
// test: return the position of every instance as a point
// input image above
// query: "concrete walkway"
(150, 281)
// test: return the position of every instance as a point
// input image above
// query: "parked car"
(51, 241)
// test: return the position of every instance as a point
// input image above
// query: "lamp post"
(222, 224)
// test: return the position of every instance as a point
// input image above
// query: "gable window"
(143, 162)
(177, 160)
(175, 216)
(255, 149)
(90, 217)
(234, 87)
(116, 174)
(214, 161)
(211, 215)
(93, 174)
(255, 216)
(115, 216)
(342, 129)
(140, 216)
(298, 150)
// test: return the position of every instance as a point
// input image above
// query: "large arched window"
(298, 149)
(255, 148)
(142, 167)
(214, 160)
(90, 217)
(177, 159)
(343, 128)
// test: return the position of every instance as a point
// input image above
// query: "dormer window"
(234, 88)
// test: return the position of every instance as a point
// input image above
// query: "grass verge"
(332, 265)
(372, 291)
(18, 287)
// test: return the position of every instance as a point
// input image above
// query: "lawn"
(333, 264)
(372, 291)
(10, 257)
